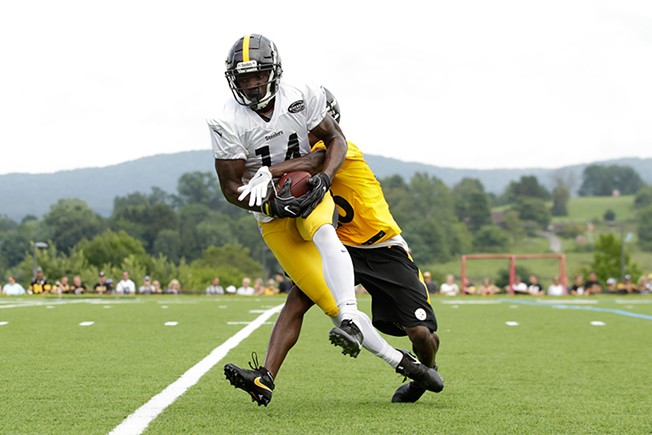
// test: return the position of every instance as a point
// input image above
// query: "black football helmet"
(253, 53)
(332, 106)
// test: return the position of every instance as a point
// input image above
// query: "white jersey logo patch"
(420, 314)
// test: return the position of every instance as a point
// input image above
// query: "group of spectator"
(275, 285)
(580, 286)
(103, 286)
(279, 284)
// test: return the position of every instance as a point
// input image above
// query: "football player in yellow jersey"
(382, 264)
(265, 124)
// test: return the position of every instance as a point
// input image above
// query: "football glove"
(256, 188)
(283, 205)
(320, 184)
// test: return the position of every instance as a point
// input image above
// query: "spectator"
(647, 287)
(449, 288)
(157, 287)
(556, 288)
(612, 286)
(534, 288)
(147, 288)
(283, 285)
(627, 286)
(259, 287)
(78, 287)
(103, 286)
(488, 287)
(174, 287)
(215, 288)
(271, 288)
(125, 285)
(592, 285)
(39, 283)
(430, 284)
(12, 288)
(62, 286)
(518, 288)
(246, 289)
(578, 286)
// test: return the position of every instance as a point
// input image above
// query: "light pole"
(35, 246)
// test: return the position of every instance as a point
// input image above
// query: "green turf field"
(553, 372)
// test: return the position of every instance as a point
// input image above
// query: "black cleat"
(258, 381)
(348, 336)
(424, 377)
(409, 393)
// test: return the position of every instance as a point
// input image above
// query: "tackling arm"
(336, 147)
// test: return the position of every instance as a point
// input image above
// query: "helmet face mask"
(253, 54)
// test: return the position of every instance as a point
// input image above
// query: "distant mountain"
(33, 194)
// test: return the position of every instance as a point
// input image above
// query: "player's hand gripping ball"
(299, 182)
(289, 198)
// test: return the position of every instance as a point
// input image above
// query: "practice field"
(511, 365)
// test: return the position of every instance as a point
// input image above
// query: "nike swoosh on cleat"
(260, 384)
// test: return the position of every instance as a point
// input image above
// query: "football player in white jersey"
(267, 123)
(400, 301)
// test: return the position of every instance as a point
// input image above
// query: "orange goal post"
(512, 265)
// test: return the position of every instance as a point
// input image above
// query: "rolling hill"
(33, 194)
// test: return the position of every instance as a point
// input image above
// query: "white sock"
(373, 342)
(336, 265)
(338, 274)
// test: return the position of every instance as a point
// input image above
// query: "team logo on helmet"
(250, 54)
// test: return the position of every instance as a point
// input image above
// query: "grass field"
(554, 372)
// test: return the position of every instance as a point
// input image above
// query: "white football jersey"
(239, 133)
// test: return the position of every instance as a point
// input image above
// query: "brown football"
(299, 182)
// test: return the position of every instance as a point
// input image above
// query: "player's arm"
(312, 162)
(330, 133)
(230, 173)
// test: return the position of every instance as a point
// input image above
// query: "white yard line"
(137, 422)
(42, 303)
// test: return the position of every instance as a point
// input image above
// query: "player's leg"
(400, 303)
(286, 330)
(258, 381)
(425, 343)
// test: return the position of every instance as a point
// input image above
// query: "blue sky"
(465, 84)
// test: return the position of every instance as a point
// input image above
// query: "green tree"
(471, 203)
(528, 186)
(490, 238)
(512, 224)
(603, 180)
(645, 228)
(560, 197)
(111, 248)
(71, 220)
(534, 210)
(200, 188)
(643, 197)
(143, 217)
(606, 258)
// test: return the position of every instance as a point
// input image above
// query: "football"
(299, 182)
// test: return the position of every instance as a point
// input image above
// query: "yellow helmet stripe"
(245, 48)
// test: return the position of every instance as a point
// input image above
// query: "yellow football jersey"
(364, 216)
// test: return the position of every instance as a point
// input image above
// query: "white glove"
(256, 188)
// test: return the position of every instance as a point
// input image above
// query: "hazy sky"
(466, 84)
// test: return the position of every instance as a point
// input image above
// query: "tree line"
(194, 234)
